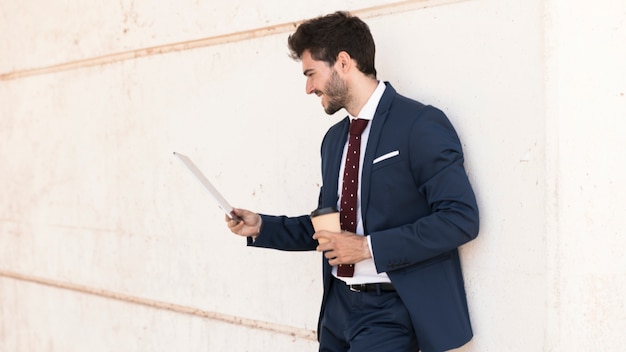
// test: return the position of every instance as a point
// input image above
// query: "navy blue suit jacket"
(418, 207)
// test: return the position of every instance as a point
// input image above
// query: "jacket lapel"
(372, 145)
(332, 161)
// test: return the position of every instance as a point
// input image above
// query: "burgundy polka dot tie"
(350, 187)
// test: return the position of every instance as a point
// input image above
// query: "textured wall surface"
(108, 244)
(587, 225)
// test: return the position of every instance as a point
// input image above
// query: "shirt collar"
(369, 109)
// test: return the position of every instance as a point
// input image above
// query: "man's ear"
(344, 61)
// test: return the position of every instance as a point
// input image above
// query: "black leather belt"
(381, 287)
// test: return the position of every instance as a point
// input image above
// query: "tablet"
(221, 201)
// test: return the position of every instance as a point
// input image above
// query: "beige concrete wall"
(107, 244)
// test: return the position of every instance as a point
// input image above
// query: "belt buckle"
(354, 288)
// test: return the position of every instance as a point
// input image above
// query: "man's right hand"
(248, 224)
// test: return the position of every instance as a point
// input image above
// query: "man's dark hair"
(326, 36)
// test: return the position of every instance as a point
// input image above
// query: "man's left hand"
(343, 248)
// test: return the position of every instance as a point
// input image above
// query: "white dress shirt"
(364, 271)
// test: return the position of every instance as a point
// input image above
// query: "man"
(414, 205)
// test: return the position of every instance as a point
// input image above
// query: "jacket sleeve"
(451, 219)
(285, 233)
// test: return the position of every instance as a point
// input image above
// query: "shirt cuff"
(369, 244)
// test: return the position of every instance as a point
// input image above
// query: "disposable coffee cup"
(326, 219)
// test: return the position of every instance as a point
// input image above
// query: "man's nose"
(310, 88)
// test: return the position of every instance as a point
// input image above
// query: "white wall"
(586, 122)
(106, 243)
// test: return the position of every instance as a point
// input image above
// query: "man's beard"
(336, 91)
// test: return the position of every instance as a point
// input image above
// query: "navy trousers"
(365, 322)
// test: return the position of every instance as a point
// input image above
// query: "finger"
(322, 236)
(236, 228)
(333, 261)
(237, 215)
(324, 244)
(232, 224)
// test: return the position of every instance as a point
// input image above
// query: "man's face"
(325, 82)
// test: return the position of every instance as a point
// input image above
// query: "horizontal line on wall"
(226, 318)
(370, 12)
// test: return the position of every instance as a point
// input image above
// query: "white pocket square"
(386, 156)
